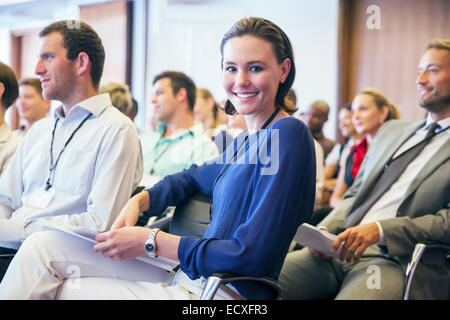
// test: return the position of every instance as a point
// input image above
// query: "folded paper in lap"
(314, 238)
(89, 235)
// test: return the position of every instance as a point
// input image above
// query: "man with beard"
(401, 196)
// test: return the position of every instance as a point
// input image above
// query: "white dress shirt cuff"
(380, 230)
(11, 233)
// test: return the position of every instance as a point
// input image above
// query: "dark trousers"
(319, 215)
(6, 255)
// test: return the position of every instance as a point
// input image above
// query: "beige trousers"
(55, 265)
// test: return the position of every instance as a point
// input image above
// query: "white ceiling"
(23, 14)
(20, 14)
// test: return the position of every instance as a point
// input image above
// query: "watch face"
(149, 247)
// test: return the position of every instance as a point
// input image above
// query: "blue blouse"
(258, 204)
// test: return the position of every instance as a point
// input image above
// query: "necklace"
(264, 126)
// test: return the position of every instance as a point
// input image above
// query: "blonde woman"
(371, 109)
(206, 111)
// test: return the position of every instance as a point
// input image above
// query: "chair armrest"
(416, 257)
(213, 282)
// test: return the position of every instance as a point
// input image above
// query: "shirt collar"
(444, 123)
(95, 104)
(179, 133)
(319, 136)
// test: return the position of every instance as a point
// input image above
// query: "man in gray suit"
(377, 237)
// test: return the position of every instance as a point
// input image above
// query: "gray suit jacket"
(423, 215)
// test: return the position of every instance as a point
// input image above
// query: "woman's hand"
(130, 212)
(122, 244)
(129, 242)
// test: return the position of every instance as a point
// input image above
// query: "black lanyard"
(243, 143)
(52, 167)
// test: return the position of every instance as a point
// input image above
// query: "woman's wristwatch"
(150, 245)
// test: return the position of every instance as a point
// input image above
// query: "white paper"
(89, 235)
(314, 238)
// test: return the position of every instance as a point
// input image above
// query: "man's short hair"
(9, 80)
(34, 82)
(80, 37)
(321, 106)
(179, 80)
(443, 44)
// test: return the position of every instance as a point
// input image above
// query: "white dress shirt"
(339, 153)
(387, 206)
(320, 175)
(95, 176)
(8, 145)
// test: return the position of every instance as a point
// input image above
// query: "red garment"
(358, 156)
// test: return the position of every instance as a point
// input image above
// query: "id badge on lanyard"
(40, 198)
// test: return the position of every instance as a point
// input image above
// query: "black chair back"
(191, 216)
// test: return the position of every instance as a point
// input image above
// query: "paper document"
(89, 235)
(314, 238)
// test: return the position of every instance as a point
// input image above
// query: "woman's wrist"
(143, 201)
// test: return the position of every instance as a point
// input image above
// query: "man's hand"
(355, 241)
(122, 244)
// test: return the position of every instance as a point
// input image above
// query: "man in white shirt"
(380, 235)
(80, 166)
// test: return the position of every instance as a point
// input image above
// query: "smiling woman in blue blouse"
(263, 188)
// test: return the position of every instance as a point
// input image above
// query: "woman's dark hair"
(77, 38)
(9, 80)
(282, 48)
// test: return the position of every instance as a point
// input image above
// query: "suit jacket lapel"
(381, 159)
(440, 157)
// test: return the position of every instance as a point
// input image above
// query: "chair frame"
(197, 206)
(416, 258)
(219, 279)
